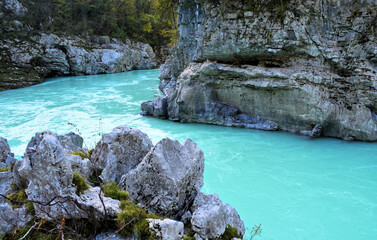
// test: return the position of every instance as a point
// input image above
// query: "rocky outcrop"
(168, 179)
(6, 156)
(10, 218)
(166, 229)
(120, 151)
(210, 217)
(28, 57)
(48, 171)
(288, 65)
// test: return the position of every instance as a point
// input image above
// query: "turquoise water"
(295, 187)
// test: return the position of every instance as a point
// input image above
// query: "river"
(295, 187)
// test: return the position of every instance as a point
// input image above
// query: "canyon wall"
(276, 65)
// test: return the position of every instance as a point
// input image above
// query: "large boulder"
(48, 171)
(168, 179)
(210, 217)
(120, 151)
(166, 229)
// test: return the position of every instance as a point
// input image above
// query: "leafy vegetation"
(112, 190)
(151, 21)
(80, 183)
(17, 198)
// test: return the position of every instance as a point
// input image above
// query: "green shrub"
(94, 177)
(83, 155)
(80, 183)
(112, 190)
(17, 197)
(133, 220)
(30, 208)
(229, 234)
(189, 235)
(5, 169)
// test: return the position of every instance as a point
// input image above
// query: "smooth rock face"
(210, 217)
(289, 64)
(48, 171)
(120, 151)
(166, 229)
(168, 179)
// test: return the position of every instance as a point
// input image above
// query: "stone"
(210, 217)
(168, 179)
(157, 107)
(314, 133)
(120, 151)
(5, 151)
(166, 229)
(48, 171)
(9, 218)
(72, 142)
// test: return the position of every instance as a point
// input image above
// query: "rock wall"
(28, 56)
(289, 65)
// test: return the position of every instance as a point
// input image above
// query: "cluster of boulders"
(165, 179)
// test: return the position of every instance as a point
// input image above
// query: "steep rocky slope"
(277, 64)
(27, 56)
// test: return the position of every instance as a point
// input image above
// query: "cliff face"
(280, 64)
(27, 55)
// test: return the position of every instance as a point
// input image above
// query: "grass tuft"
(80, 183)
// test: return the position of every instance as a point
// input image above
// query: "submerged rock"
(120, 151)
(168, 179)
(210, 217)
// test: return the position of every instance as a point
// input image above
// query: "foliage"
(19, 196)
(112, 190)
(229, 233)
(133, 220)
(94, 177)
(151, 21)
(83, 155)
(30, 208)
(5, 169)
(189, 235)
(80, 183)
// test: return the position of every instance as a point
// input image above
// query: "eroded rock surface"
(166, 229)
(48, 171)
(210, 217)
(168, 179)
(10, 218)
(120, 151)
(293, 64)
(6, 156)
